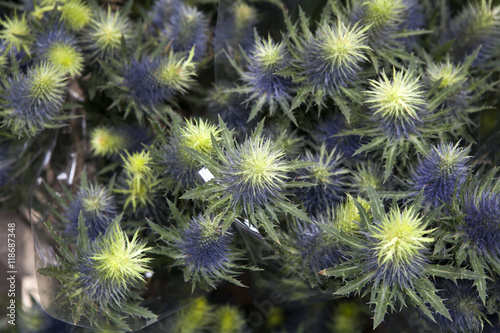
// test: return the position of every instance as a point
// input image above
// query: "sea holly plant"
(390, 259)
(251, 180)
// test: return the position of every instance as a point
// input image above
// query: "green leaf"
(478, 268)
(343, 107)
(376, 204)
(135, 309)
(292, 210)
(382, 301)
(450, 272)
(343, 270)
(52, 272)
(419, 302)
(351, 241)
(429, 295)
(165, 234)
(83, 241)
(355, 285)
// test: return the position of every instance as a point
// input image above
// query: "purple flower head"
(440, 173)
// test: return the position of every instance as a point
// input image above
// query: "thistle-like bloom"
(110, 141)
(387, 17)
(333, 57)
(97, 206)
(59, 48)
(316, 248)
(465, 308)
(76, 14)
(33, 101)
(197, 135)
(327, 133)
(477, 25)
(441, 173)
(104, 34)
(112, 269)
(366, 174)
(263, 84)
(149, 82)
(450, 75)
(178, 167)
(397, 104)
(205, 252)
(325, 171)
(399, 244)
(347, 216)
(480, 223)
(15, 32)
(228, 319)
(254, 173)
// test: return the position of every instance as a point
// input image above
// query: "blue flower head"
(230, 107)
(205, 252)
(330, 179)
(327, 132)
(397, 104)
(33, 100)
(161, 14)
(440, 173)
(97, 206)
(188, 28)
(464, 306)
(480, 224)
(332, 58)
(387, 17)
(263, 83)
(399, 243)
(111, 269)
(59, 48)
(317, 250)
(477, 25)
(103, 36)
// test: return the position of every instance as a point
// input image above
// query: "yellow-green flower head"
(228, 319)
(66, 58)
(347, 217)
(397, 103)
(197, 135)
(114, 267)
(255, 172)
(244, 15)
(400, 239)
(15, 31)
(105, 32)
(334, 56)
(194, 318)
(447, 72)
(369, 173)
(176, 72)
(138, 164)
(75, 14)
(107, 142)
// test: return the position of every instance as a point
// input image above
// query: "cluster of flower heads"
(340, 155)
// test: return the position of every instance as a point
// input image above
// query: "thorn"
(323, 272)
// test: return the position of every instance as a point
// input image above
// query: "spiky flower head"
(330, 179)
(113, 268)
(228, 319)
(400, 239)
(385, 18)
(466, 310)
(103, 36)
(188, 29)
(347, 216)
(176, 72)
(33, 100)
(316, 248)
(106, 142)
(254, 173)
(197, 134)
(97, 206)
(477, 25)
(264, 84)
(480, 222)
(59, 48)
(15, 32)
(76, 14)
(448, 72)
(366, 174)
(397, 104)
(334, 56)
(205, 252)
(440, 173)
